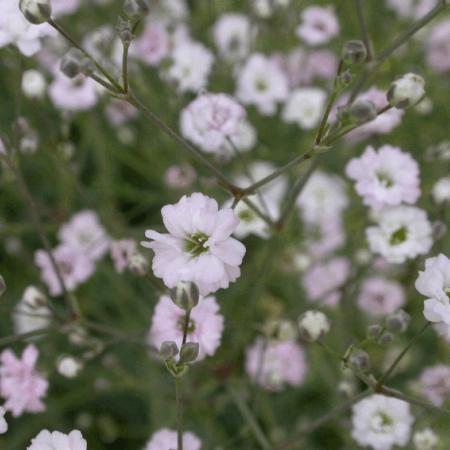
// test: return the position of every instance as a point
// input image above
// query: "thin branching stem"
(364, 30)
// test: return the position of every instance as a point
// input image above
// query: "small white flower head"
(313, 325)
(304, 106)
(166, 439)
(3, 422)
(402, 232)
(69, 367)
(232, 35)
(55, 440)
(381, 422)
(36, 11)
(138, 264)
(441, 190)
(318, 25)
(406, 91)
(262, 83)
(33, 84)
(425, 439)
(434, 283)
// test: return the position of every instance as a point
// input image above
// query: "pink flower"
(179, 176)
(75, 268)
(324, 238)
(210, 119)
(386, 177)
(121, 252)
(58, 441)
(64, 7)
(277, 365)
(119, 112)
(153, 45)
(199, 246)
(166, 439)
(21, 384)
(438, 47)
(318, 25)
(85, 233)
(436, 384)
(324, 279)
(205, 327)
(380, 297)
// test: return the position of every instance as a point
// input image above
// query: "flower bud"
(138, 265)
(34, 298)
(36, 11)
(354, 52)
(72, 62)
(69, 367)
(185, 295)
(135, 9)
(124, 30)
(425, 439)
(373, 331)
(344, 79)
(359, 360)
(406, 91)
(313, 325)
(168, 350)
(2, 286)
(362, 111)
(386, 339)
(398, 322)
(439, 230)
(189, 352)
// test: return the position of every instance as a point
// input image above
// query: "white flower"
(3, 423)
(58, 441)
(33, 84)
(406, 91)
(434, 283)
(232, 34)
(36, 11)
(31, 313)
(262, 83)
(403, 232)
(425, 439)
(441, 190)
(191, 66)
(69, 367)
(381, 422)
(318, 25)
(313, 325)
(199, 246)
(304, 106)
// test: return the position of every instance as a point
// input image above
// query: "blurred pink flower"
(154, 44)
(318, 25)
(55, 440)
(21, 384)
(119, 112)
(435, 383)
(438, 47)
(199, 246)
(205, 327)
(121, 252)
(166, 439)
(179, 176)
(276, 365)
(64, 7)
(324, 238)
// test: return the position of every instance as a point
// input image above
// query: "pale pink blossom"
(179, 176)
(385, 177)
(64, 7)
(121, 253)
(199, 246)
(166, 439)
(318, 25)
(323, 280)
(232, 34)
(21, 384)
(276, 365)
(119, 112)
(411, 9)
(74, 267)
(380, 296)
(211, 119)
(55, 440)
(154, 43)
(435, 382)
(437, 47)
(205, 326)
(325, 237)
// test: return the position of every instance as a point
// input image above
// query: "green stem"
(179, 407)
(126, 47)
(364, 30)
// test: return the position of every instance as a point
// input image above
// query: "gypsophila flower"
(406, 91)
(211, 119)
(31, 313)
(435, 384)
(199, 246)
(232, 35)
(69, 367)
(385, 177)
(441, 190)
(379, 296)
(381, 422)
(318, 25)
(411, 9)
(21, 384)
(313, 325)
(244, 139)
(154, 43)
(434, 283)
(323, 238)
(55, 440)
(205, 325)
(121, 253)
(166, 439)
(402, 232)
(261, 83)
(33, 84)
(179, 176)
(276, 365)
(64, 7)
(438, 47)
(304, 107)
(3, 422)
(425, 439)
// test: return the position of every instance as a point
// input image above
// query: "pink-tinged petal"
(230, 251)
(226, 223)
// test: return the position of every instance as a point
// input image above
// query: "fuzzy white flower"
(381, 422)
(385, 177)
(33, 84)
(232, 33)
(262, 83)
(406, 91)
(425, 439)
(244, 139)
(434, 283)
(313, 325)
(55, 440)
(318, 25)
(304, 106)
(191, 66)
(166, 439)
(31, 313)
(69, 367)
(199, 246)
(3, 422)
(403, 232)
(441, 190)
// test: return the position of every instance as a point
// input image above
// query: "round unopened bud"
(406, 91)
(72, 62)
(359, 360)
(33, 84)
(345, 78)
(439, 229)
(69, 367)
(124, 31)
(138, 265)
(36, 11)
(362, 111)
(313, 325)
(189, 352)
(34, 297)
(280, 330)
(168, 350)
(398, 322)
(186, 295)
(354, 52)
(386, 339)
(346, 388)
(425, 439)
(374, 330)
(2, 286)
(135, 9)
